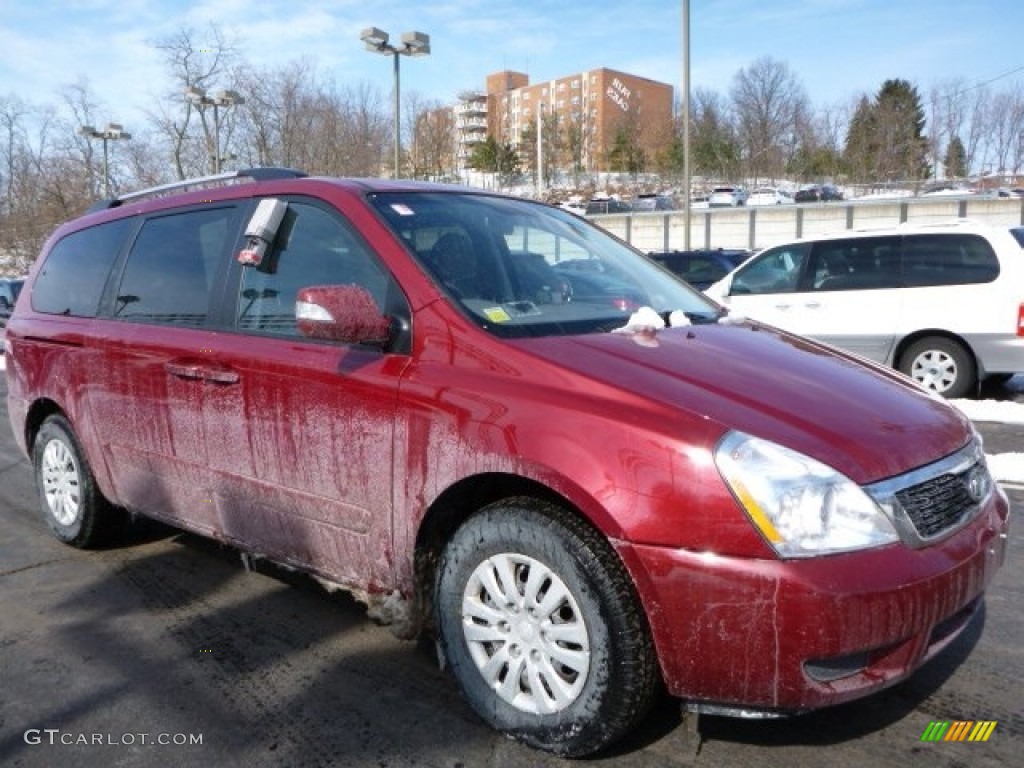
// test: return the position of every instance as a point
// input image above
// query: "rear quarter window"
(948, 259)
(1018, 232)
(71, 279)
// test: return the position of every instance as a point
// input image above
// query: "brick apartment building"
(585, 111)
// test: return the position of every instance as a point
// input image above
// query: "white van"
(943, 303)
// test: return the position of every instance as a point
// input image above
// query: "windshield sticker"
(402, 209)
(496, 315)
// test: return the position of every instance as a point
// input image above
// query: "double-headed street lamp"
(112, 132)
(198, 97)
(413, 44)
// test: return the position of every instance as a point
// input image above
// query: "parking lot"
(166, 651)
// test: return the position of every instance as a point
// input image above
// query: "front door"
(300, 432)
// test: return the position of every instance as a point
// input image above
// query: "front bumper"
(778, 636)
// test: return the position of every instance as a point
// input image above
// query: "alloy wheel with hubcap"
(540, 624)
(74, 509)
(940, 365)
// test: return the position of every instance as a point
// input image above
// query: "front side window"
(518, 268)
(777, 270)
(71, 279)
(313, 247)
(948, 259)
(172, 266)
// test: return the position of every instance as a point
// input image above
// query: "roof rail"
(256, 174)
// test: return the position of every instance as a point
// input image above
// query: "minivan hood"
(859, 418)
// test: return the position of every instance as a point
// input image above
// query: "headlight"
(801, 506)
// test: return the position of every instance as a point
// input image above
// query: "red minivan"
(490, 420)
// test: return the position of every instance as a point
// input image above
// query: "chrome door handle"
(184, 370)
(220, 375)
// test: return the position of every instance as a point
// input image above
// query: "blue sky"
(837, 48)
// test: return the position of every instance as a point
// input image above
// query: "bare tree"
(1006, 129)
(770, 105)
(194, 63)
(432, 146)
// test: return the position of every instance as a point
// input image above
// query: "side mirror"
(345, 313)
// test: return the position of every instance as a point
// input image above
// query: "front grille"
(937, 504)
(938, 499)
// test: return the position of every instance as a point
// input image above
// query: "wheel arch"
(39, 412)
(456, 504)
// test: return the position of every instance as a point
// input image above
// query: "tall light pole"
(413, 44)
(540, 149)
(686, 122)
(198, 97)
(112, 132)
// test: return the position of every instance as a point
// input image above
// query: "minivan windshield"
(521, 268)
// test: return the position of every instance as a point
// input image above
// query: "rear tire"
(940, 365)
(74, 509)
(542, 627)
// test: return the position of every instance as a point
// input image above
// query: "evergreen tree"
(899, 124)
(491, 157)
(860, 155)
(956, 159)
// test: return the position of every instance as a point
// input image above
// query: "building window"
(576, 84)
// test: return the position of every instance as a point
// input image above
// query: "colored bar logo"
(959, 730)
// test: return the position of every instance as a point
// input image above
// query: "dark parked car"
(607, 205)
(382, 383)
(817, 193)
(653, 203)
(702, 267)
(9, 290)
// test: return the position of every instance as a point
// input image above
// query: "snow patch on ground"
(1007, 467)
(1003, 411)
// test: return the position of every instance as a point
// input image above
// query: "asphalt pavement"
(166, 651)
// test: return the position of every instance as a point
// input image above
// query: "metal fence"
(761, 226)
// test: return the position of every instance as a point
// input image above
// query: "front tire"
(74, 509)
(940, 365)
(542, 628)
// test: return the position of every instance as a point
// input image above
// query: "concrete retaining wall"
(762, 226)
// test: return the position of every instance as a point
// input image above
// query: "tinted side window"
(703, 269)
(948, 259)
(777, 270)
(72, 278)
(313, 247)
(856, 263)
(172, 266)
